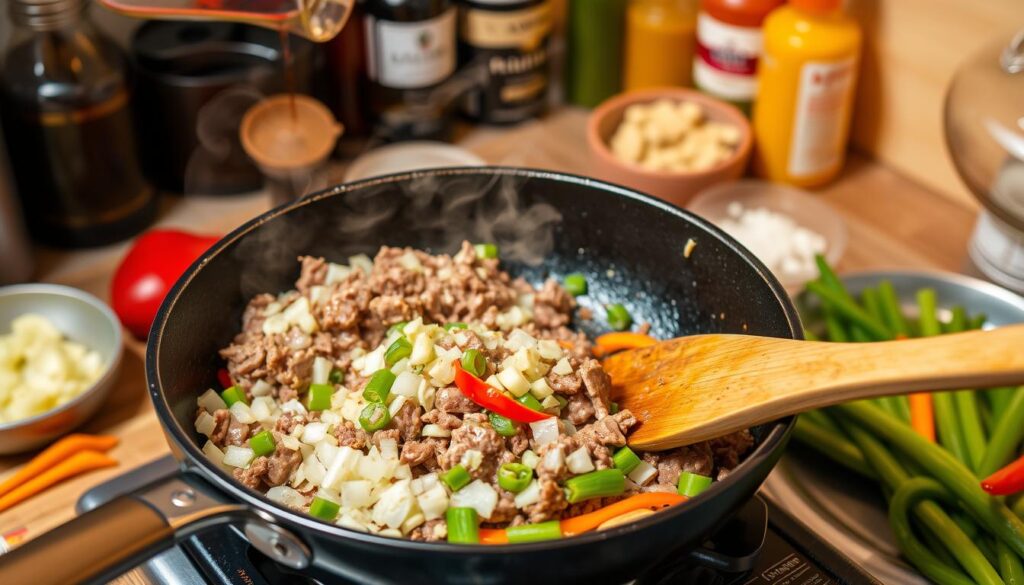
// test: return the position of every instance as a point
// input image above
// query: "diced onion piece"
(262, 408)
(286, 496)
(214, 453)
(406, 384)
(513, 381)
(550, 403)
(442, 371)
(425, 395)
(422, 351)
(392, 532)
(242, 413)
(567, 426)
(261, 388)
(336, 273)
(396, 405)
(314, 433)
(493, 381)
(321, 370)
(315, 471)
(290, 442)
(554, 459)
(526, 359)
(236, 456)
(643, 473)
(277, 323)
(298, 314)
(472, 459)
(562, 368)
(549, 349)
(326, 453)
(347, 521)
(477, 495)
(519, 339)
(529, 496)
(540, 389)
(545, 431)
(373, 467)
(409, 261)
(579, 461)
(330, 418)
(400, 366)
(395, 505)
(361, 262)
(345, 463)
(205, 423)
(530, 459)
(403, 471)
(356, 494)
(318, 294)
(389, 448)
(294, 406)
(431, 430)
(211, 401)
(412, 522)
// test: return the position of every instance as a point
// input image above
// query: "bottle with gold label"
(506, 43)
(64, 101)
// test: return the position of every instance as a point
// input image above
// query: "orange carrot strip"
(588, 522)
(79, 463)
(612, 342)
(565, 344)
(922, 416)
(57, 453)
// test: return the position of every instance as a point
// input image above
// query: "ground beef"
(552, 306)
(519, 442)
(568, 385)
(416, 453)
(221, 422)
(598, 385)
(694, 458)
(287, 422)
(451, 399)
(552, 502)
(238, 433)
(442, 419)
(729, 449)
(506, 509)
(580, 409)
(245, 356)
(252, 476)
(609, 431)
(313, 273)
(378, 436)
(430, 531)
(349, 435)
(480, 438)
(407, 421)
(281, 464)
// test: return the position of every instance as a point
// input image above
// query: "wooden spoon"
(695, 388)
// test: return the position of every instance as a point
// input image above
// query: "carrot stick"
(588, 522)
(922, 417)
(612, 342)
(56, 453)
(79, 463)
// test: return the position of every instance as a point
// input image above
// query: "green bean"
(970, 427)
(829, 278)
(958, 319)
(927, 303)
(936, 546)
(871, 302)
(892, 314)
(831, 445)
(822, 419)
(919, 492)
(834, 327)
(1007, 435)
(850, 310)
(1010, 567)
(1000, 399)
(947, 426)
(988, 511)
(1018, 507)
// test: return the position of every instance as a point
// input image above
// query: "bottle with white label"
(806, 83)
(410, 52)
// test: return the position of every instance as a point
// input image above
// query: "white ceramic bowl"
(409, 156)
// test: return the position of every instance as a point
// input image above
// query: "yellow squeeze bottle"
(806, 82)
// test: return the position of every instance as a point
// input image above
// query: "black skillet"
(631, 248)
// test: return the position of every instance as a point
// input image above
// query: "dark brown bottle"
(64, 101)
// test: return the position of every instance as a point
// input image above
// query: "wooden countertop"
(893, 223)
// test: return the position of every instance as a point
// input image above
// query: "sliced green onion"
(626, 460)
(397, 328)
(529, 401)
(323, 509)
(232, 395)
(262, 443)
(374, 417)
(596, 484)
(575, 284)
(337, 376)
(474, 362)
(455, 325)
(379, 386)
(462, 525)
(692, 484)
(550, 530)
(619, 318)
(486, 251)
(502, 425)
(399, 348)
(514, 477)
(320, 396)
(456, 478)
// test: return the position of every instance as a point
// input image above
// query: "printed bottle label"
(522, 29)
(822, 108)
(411, 55)
(726, 59)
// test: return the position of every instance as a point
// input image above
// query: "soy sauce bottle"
(411, 53)
(64, 101)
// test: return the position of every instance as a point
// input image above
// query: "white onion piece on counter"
(477, 495)
(321, 370)
(394, 505)
(314, 433)
(529, 496)
(406, 384)
(287, 496)
(433, 502)
(429, 430)
(242, 413)
(236, 456)
(205, 423)
(211, 401)
(643, 473)
(579, 461)
(356, 494)
(545, 431)
(261, 388)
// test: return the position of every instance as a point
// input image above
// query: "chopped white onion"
(406, 384)
(568, 427)
(356, 494)
(261, 388)
(361, 262)
(214, 453)
(347, 521)
(425, 395)
(403, 471)
(294, 406)
(326, 453)
(242, 414)
(205, 424)
(422, 351)
(519, 339)
(643, 473)
(513, 381)
(494, 382)
(396, 405)
(395, 505)
(432, 430)
(286, 496)
(562, 368)
(477, 495)
(211, 401)
(236, 456)
(472, 459)
(321, 370)
(336, 273)
(529, 496)
(400, 366)
(545, 431)
(579, 461)
(318, 294)
(345, 463)
(550, 403)
(262, 408)
(554, 460)
(389, 448)
(540, 389)
(549, 349)
(314, 433)
(412, 522)
(315, 470)
(409, 261)
(530, 459)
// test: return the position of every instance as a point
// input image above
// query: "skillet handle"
(94, 547)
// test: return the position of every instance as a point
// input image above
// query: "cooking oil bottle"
(806, 84)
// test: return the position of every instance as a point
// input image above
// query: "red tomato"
(147, 273)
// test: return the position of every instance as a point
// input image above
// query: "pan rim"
(186, 449)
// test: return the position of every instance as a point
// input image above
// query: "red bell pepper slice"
(1006, 481)
(492, 399)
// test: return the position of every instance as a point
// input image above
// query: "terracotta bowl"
(676, 187)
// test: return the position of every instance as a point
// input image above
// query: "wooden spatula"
(695, 388)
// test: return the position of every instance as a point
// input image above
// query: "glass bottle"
(660, 38)
(64, 100)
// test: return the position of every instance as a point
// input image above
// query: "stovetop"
(760, 545)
